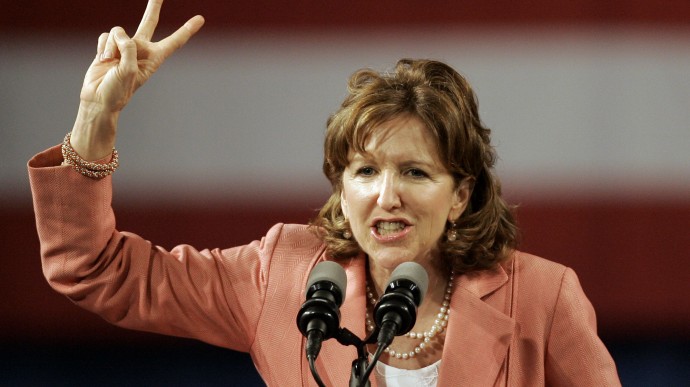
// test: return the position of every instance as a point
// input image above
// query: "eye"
(416, 172)
(365, 171)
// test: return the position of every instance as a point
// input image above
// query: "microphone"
(319, 317)
(396, 311)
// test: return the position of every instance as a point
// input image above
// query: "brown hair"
(444, 101)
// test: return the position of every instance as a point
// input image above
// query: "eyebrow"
(362, 157)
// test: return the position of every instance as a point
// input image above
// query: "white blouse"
(387, 376)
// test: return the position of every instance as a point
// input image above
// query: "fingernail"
(107, 55)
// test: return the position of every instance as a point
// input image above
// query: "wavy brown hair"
(444, 101)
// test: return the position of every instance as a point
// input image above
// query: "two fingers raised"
(110, 45)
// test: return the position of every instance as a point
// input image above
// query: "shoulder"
(538, 283)
(534, 269)
(542, 287)
(289, 246)
(292, 237)
(284, 247)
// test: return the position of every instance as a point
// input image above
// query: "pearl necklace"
(439, 325)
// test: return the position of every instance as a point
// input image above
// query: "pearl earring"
(452, 234)
(347, 234)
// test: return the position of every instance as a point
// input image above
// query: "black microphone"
(319, 317)
(396, 311)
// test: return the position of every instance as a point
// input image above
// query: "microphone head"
(325, 293)
(415, 273)
(396, 311)
(332, 272)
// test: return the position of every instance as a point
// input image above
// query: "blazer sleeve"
(575, 356)
(212, 295)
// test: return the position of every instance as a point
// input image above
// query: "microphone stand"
(361, 369)
(361, 363)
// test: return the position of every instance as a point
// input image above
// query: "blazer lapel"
(478, 335)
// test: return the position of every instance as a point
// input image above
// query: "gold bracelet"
(87, 168)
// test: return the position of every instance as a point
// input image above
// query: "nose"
(389, 197)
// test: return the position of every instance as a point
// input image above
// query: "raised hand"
(122, 65)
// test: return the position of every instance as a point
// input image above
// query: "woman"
(411, 169)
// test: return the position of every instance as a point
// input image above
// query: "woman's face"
(398, 196)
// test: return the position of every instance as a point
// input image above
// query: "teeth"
(385, 228)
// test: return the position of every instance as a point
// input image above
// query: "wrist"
(93, 134)
(89, 169)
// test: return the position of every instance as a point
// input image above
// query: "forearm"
(74, 219)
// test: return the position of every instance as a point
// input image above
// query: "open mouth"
(389, 228)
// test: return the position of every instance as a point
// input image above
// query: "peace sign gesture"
(122, 65)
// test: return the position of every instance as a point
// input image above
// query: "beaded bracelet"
(87, 168)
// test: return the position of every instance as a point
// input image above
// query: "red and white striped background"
(589, 102)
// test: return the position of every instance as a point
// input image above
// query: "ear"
(461, 198)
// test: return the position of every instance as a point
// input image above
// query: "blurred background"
(589, 102)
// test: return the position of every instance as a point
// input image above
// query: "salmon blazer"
(524, 323)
